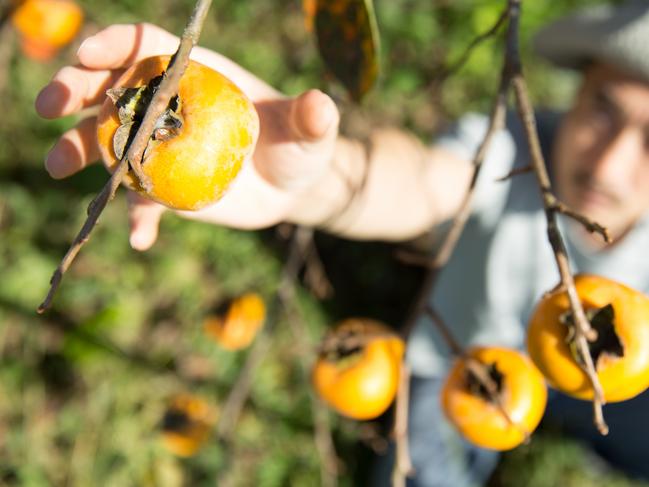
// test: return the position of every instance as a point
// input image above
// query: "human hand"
(295, 146)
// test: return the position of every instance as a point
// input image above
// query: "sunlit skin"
(601, 154)
(302, 169)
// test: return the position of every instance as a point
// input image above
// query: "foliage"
(83, 387)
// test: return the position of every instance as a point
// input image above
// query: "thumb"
(313, 117)
(297, 139)
(144, 219)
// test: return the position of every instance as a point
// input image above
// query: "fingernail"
(57, 162)
(139, 241)
(60, 161)
(44, 102)
(88, 45)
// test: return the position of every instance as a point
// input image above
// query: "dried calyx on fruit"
(132, 104)
(199, 143)
(357, 371)
(619, 317)
(502, 415)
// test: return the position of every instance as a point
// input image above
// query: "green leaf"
(348, 42)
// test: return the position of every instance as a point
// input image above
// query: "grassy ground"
(83, 388)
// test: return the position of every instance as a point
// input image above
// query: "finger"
(74, 150)
(144, 219)
(121, 45)
(296, 140)
(314, 116)
(72, 89)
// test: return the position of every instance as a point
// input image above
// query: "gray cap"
(616, 35)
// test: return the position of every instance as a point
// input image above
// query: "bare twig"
(403, 466)
(455, 67)
(590, 225)
(239, 393)
(305, 247)
(515, 172)
(583, 330)
(496, 123)
(166, 90)
(476, 368)
(440, 324)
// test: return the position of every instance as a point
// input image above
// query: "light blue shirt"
(503, 262)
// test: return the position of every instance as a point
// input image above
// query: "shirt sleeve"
(463, 139)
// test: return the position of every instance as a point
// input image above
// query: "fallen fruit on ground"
(200, 142)
(236, 327)
(45, 26)
(619, 315)
(187, 425)
(357, 371)
(477, 415)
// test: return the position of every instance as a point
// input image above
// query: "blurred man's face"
(601, 154)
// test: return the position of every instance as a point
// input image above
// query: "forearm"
(390, 188)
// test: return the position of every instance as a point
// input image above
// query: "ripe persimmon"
(619, 315)
(187, 424)
(45, 26)
(357, 371)
(200, 142)
(478, 418)
(237, 327)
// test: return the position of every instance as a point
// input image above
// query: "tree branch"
(583, 330)
(166, 90)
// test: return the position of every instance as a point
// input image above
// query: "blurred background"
(84, 387)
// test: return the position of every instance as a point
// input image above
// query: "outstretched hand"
(295, 146)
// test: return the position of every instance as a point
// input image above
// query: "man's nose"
(615, 164)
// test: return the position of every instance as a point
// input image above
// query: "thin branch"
(496, 123)
(436, 319)
(95, 208)
(455, 67)
(583, 330)
(166, 90)
(477, 369)
(236, 400)
(403, 465)
(239, 393)
(515, 172)
(590, 225)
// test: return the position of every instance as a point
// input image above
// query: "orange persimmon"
(619, 315)
(45, 26)
(200, 143)
(187, 424)
(237, 327)
(357, 372)
(478, 418)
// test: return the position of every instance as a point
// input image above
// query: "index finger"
(121, 45)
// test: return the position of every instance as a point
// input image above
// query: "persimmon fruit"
(477, 416)
(237, 326)
(619, 315)
(357, 371)
(187, 425)
(45, 26)
(200, 142)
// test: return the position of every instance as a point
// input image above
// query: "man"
(395, 188)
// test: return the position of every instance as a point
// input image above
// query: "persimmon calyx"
(606, 344)
(132, 104)
(477, 387)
